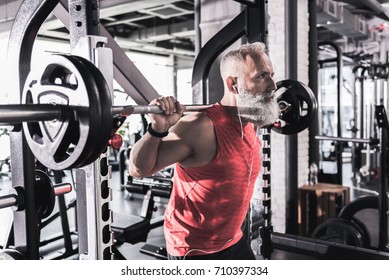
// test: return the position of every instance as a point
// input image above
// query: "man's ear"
(231, 83)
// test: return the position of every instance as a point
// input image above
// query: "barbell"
(68, 118)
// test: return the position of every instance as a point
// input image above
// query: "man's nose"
(271, 84)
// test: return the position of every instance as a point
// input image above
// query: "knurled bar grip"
(153, 109)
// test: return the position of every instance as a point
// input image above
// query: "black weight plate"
(363, 230)
(106, 117)
(341, 231)
(302, 106)
(67, 143)
(102, 119)
(44, 195)
(364, 202)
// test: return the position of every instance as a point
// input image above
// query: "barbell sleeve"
(17, 113)
(8, 201)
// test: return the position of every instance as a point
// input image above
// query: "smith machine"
(80, 85)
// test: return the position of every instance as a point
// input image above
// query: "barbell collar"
(61, 189)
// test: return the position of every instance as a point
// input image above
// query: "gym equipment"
(342, 231)
(45, 193)
(331, 118)
(93, 213)
(348, 235)
(63, 244)
(71, 102)
(133, 229)
(347, 228)
(74, 82)
(298, 107)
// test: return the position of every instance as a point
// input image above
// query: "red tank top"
(209, 203)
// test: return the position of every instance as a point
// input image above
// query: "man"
(216, 153)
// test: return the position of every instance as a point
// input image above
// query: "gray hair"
(230, 64)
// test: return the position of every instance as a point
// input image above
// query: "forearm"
(149, 154)
(143, 156)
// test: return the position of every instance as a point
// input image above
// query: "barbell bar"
(370, 141)
(68, 119)
(18, 113)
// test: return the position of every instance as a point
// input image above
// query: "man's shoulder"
(193, 124)
(196, 119)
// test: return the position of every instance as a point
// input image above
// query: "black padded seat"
(130, 228)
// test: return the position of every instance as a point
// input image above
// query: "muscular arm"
(191, 142)
(151, 154)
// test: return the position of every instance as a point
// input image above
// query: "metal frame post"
(28, 19)
(94, 218)
(291, 141)
(314, 153)
(250, 22)
(339, 66)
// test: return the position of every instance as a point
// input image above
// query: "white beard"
(256, 108)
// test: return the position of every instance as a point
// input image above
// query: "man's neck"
(232, 111)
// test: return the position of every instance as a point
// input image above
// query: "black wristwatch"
(156, 134)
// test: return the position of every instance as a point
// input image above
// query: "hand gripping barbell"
(68, 117)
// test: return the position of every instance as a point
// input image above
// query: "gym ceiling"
(168, 26)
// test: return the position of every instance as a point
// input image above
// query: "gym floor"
(124, 202)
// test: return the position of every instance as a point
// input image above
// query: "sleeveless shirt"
(208, 204)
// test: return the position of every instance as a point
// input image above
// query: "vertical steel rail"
(356, 148)
(314, 153)
(251, 22)
(209, 52)
(28, 20)
(267, 229)
(339, 66)
(93, 194)
(382, 122)
(291, 141)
